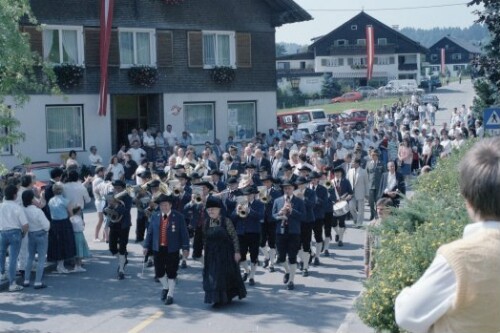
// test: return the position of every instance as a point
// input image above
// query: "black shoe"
(286, 278)
(305, 273)
(164, 293)
(326, 253)
(157, 280)
(245, 276)
(40, 286)
(169, 300)
(266, 263)
(290, 286)
(336, 238)
(311, 257)
(301, 265)
(271, 269)
(121, 275)
(26, 284)
(316, 261)
(183, 264)
(251, 282)
(341, 243)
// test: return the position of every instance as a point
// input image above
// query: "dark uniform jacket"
(177, 233)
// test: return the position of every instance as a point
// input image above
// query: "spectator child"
(82, 249)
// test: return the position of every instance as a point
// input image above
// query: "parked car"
(314, 127)
(433, 99)
(353, 117)
(434, 82)
(288, 119)
(351, 96)
(367, 91)
(41, 170)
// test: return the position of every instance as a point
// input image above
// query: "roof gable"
(466, 46)
(401, 43)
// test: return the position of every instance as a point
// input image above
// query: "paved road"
(96, 302)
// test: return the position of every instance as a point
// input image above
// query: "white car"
(312, 127)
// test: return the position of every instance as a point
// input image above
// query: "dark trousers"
(249, 243)
(372, 200)
(318, 230)
(142, 221)
(118, 240)
(198, 242)
(268, 234)
(166, 263)
(328, 224)
(339, 221)
(288, 245)
(305, 236)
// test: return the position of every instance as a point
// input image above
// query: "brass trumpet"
(242, 208)
(263, 194)
(198, 193)
(328, 184)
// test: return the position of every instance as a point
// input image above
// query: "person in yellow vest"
(460, 291)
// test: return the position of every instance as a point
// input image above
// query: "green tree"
(20, 69)
(330, 87)
(280, 50)
(488, 65)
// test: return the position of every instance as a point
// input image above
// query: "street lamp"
(295, 82)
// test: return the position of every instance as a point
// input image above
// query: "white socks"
(265, 252)
(293, 268)
(253, 269)
(272, 256)
(305, 259)
(319, 245)
(285, 265)
(121, 261)
(326, 240)
(341, 234)
(244, 264)
(164, 282)
(171, 287)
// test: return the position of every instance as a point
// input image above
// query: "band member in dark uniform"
(142, 201)
(331, 198)
(268, 230)
(247, 217)
(119, 227)
(343, 191)
(216, 180)
(319, 212)
(288, 173)
(229, 197)
(221, 274)
(182, 198)
(196, 216)
(167, 235)
(309, 197)
(288, 210)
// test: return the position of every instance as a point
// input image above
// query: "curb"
(352, 323)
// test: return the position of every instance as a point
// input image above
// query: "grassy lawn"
(368, 104)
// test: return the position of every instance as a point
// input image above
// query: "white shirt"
(391, 182)
(297, 135)
(418, 307)
(148, 140)
(95, 159)
(77, 223)
(171, 137)
(117, 170)
(11, 216)
(36, 219)
(136, 154)
(95, 188)
(76, 194)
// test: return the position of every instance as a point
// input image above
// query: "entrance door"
(135, 111)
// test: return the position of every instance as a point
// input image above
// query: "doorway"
(135, 111)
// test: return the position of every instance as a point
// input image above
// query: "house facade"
(181, 44)
(458, 55)
(342, 52)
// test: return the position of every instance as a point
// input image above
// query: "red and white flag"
(443, 65)
(370, 51)
(105, 41)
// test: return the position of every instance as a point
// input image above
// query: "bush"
(410, 238)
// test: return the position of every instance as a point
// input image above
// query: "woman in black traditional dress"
(221, 275)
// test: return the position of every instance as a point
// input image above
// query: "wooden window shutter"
(195, 48)
(91, 46)
(243, 50)
(35, 37)
(165, 49)
(114, 49)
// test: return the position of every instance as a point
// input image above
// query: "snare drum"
(340, 208)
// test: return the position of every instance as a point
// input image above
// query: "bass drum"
(340, 208)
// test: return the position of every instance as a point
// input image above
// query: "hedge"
(410, 237)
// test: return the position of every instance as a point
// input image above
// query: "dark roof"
(364, 17)
(297, 56)
(469, 47)
(287, 11)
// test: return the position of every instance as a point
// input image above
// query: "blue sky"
(326, 21)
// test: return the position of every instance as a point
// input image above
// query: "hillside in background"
(476, 34)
